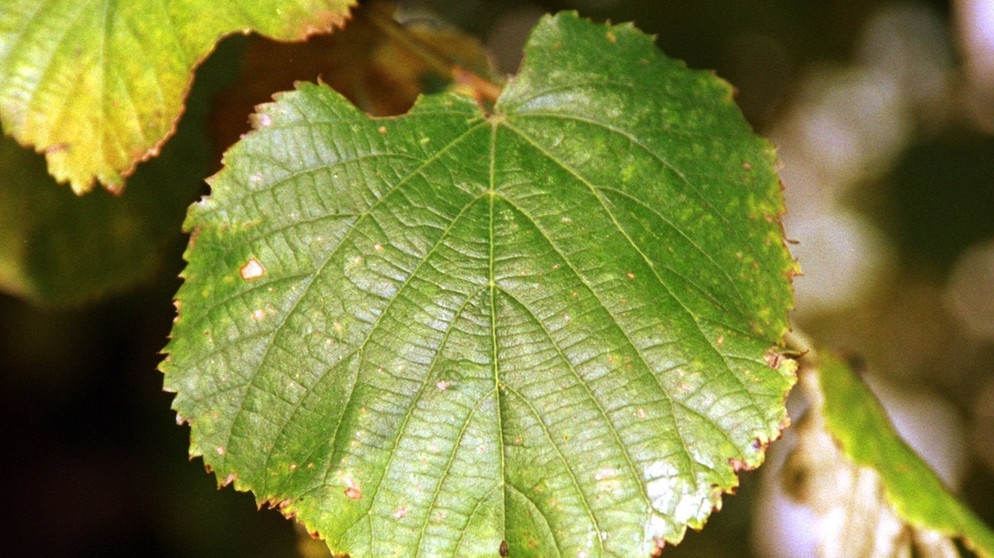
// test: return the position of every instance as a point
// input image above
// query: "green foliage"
(59, 249)
(855, 418)
(50, 250)
(97, 86)
(451, 331)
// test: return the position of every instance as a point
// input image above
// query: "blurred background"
(883, 115)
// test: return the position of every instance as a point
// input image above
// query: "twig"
(482, 89)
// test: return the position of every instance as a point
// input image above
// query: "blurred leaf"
(98, 85)
(58, 249)
(855, 418)
(546, 329)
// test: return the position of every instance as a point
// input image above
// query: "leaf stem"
(479, 87)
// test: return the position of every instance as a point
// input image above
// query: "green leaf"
(51, 250)
(59, 249)
(97, 85)
(545, 327)
(856, 419)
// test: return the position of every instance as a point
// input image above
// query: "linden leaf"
(59, 249)
(97, 85)
(538, 332)
(860, 424)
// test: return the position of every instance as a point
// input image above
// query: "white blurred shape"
(975, 22)
(783, 527)
(855, 126)
(849, 127)
(842, 255)
(909, 42)
(975, 26)
(838, 493)
(970, 292)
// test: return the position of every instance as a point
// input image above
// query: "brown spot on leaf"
(352, 489)
(739, 465)
(773, 358)
(784, 423)
(660, 545)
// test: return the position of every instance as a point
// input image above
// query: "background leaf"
(435, 333)
(856, 419)
(98, 85)
(58, 249)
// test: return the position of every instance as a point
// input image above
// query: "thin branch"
(480, 88)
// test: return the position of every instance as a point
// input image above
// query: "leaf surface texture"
(97, 85)
(545, 327)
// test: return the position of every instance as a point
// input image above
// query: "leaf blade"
(97, 86)
(860, 424)
(501, 359)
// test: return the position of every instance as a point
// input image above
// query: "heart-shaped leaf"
(543, 331)
(97, 85)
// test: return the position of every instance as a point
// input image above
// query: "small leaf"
(97, 85)
(450, 333)
(856, 419)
